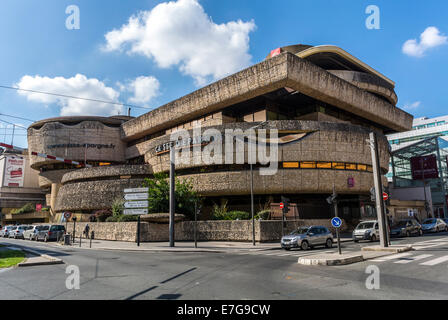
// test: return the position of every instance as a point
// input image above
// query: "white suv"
(366, 230)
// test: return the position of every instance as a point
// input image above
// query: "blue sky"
(183, 49)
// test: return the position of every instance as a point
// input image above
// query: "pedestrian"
(86, 230)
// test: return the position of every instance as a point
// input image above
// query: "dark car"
(406, 228)
(51, 232)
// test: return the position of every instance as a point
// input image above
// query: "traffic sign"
(136, 196)
(282, 205)
(67, 215)
(136, 204)
(136, 190)
(336, 222)
(135, 211)
(385, 196)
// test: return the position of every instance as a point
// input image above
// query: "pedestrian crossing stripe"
(394, 256)
(435, 261)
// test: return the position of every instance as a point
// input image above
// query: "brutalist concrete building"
(321, 101)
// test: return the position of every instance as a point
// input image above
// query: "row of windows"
(429, 125)
(326, 165)
(415, 138)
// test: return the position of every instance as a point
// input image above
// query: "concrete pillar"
(54, 193)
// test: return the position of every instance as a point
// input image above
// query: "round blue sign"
(336, 222)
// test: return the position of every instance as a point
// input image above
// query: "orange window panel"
(362, 167)
(324, 165)
(369, 168)
(290, 164)
(308, 165)
(338, 165)
(350, 166)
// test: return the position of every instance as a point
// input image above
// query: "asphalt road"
(274, 274)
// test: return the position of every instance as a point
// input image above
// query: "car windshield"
(299, 231)
(365, 225)
(429, 221)
(45, 228)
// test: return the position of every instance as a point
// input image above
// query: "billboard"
(13, 172)
(424, 167)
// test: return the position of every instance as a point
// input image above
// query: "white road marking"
(416, 258)
(394, 256)
(419, 247)
(435, 261)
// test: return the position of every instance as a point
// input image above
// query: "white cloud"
(78, 86)
(181, 34)
(143, 89)
(430, 38)
(412, 106)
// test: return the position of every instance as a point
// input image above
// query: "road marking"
(416, 258)
(434, 261)
(418, 247)
(394, 256)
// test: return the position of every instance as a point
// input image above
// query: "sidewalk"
(181, 246)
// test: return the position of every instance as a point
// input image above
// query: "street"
(243, 274)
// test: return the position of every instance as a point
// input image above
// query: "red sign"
(282, 205)
(385, 196)
(38, 207)
(424, 167)
(276, 52)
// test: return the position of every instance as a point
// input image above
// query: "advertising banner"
(424, 167)
(14, 172)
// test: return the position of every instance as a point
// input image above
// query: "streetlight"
(252, 187)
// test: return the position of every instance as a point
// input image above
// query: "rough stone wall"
(265, 231)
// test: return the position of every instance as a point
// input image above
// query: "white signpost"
(136, 196)
(136, 204)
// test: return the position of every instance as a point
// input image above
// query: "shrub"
(159, 191)
(238, 215)
(102, 215)
(112, 219)
(27, 208)
(263, 214)
(117, 207)
(221, 213)
(127, 218)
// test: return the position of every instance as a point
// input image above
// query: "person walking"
(86, 230)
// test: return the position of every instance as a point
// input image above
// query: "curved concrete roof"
(114, 120)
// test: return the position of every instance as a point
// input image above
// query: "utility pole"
(172, 195)
(380, 209)
(252, 202)
(195, 224)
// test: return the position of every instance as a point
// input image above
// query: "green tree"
(159, 195)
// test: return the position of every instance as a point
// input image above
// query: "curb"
(391, 249)
(48, 260)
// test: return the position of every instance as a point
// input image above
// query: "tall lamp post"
(252, 187)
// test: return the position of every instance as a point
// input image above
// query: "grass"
(9, 258)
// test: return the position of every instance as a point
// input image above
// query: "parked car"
(406, 228)
(434, 225)
(366, 230)
(308, 237)
(31, 232)
(51, 232)
(446, 221)
(17, 231)
(4, 232)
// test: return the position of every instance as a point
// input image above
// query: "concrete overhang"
(284, 70)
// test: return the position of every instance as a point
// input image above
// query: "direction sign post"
(336, 222)
(136, 204)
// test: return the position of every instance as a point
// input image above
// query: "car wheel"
(329, 243)
(305, 245)
(46, 239)
(31, 237)
(355, 241)
(373, 238)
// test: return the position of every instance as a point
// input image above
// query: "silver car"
(307, 237)
(434, 225)
(5, 231)
(17, 232)
(31, 232)
(366, 230)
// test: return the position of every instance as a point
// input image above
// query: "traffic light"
(285, 202)
(333, 198)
